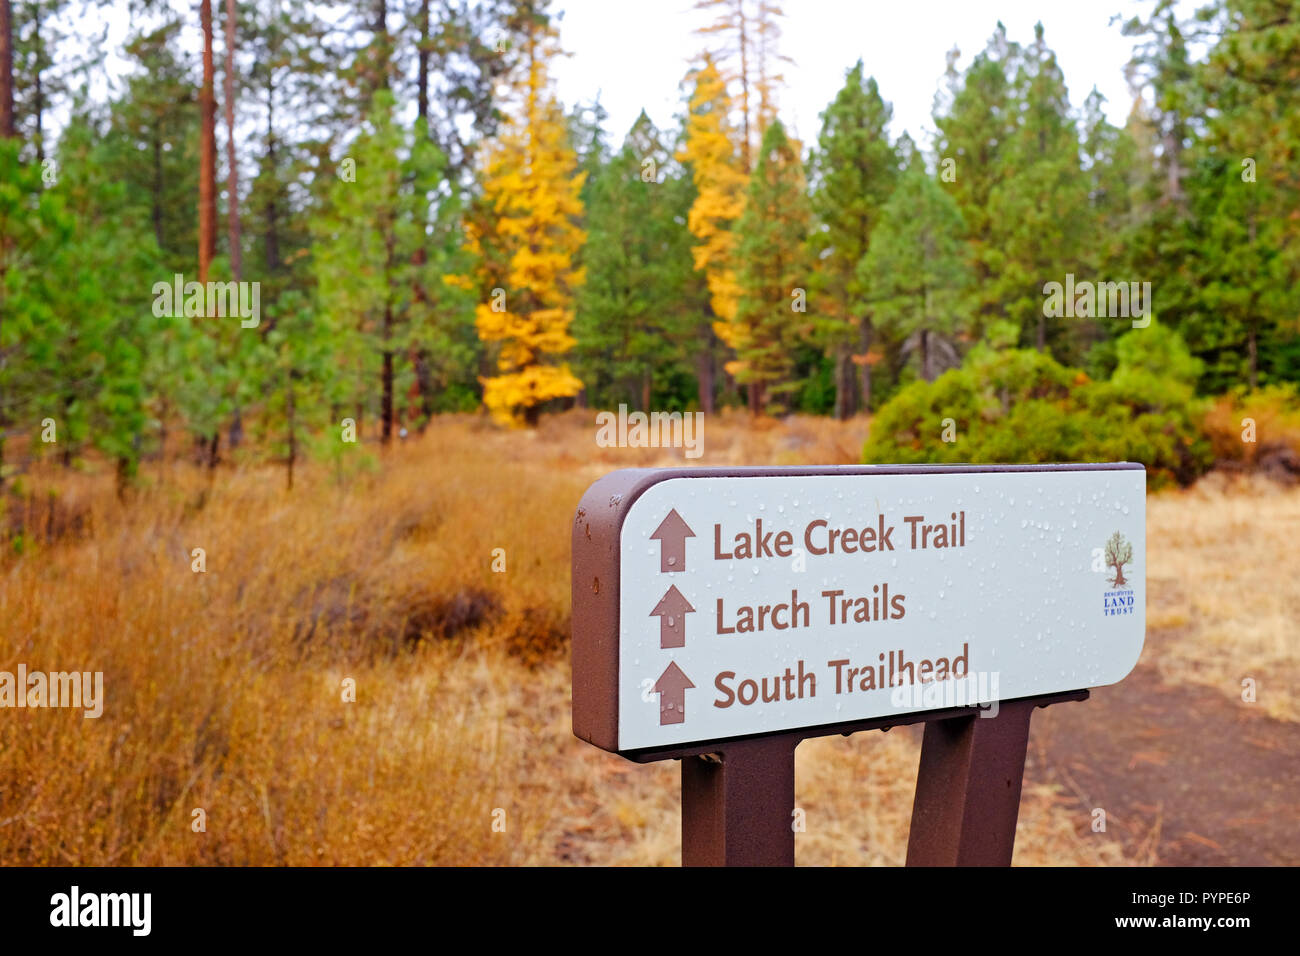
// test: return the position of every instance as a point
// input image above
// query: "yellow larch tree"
(768, 80)
(525, 236)
(746, 51)
(710, 153)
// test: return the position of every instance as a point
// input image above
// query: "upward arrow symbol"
(671, 535)
(672, 625)
(671, 688)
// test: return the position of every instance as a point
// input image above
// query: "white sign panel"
(758, 604)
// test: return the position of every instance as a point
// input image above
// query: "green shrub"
(1022, 407)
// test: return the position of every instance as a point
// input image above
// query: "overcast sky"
(635, 54)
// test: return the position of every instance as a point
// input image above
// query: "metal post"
(968, 788)
(738, 804)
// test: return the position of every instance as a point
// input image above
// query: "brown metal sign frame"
(738, 792)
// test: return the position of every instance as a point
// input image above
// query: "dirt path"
(1186, 777)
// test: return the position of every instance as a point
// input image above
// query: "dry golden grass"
(1224, 601)
(224, 689)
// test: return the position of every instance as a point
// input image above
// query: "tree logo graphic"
(1119, 552)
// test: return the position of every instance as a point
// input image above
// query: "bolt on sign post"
(722, 615)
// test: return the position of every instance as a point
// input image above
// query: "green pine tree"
(854, 171)
(1244, 193)
(34, 226)
(633, 330)
(771, 315)
(384, 244)
(976, 120)
(1039, 210)
(916, 273)
(103, 325)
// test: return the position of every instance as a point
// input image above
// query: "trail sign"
(712, 604)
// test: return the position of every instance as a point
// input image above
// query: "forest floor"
(227, 688)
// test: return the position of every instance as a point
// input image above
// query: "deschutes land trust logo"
(1120, 599)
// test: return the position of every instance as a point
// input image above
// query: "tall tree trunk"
(232, 174)
(380, 52)
(1251, 347)
(843, 383)
(744, 84)
(424, 380)
(380, 80)
(236, 428)
(207, 150)
(422, 68)
(8, 130)
(420, 354)
(8, 124)
(705, 376)
(387, 410)
(925, 331)
(122, 477)
(290, 415)
(1252, 354)
(272, 221)
(40, 90)
(864, 370)
(3, 418)
(157, 188)
(423, 376)
(66, 456)
(163, 415)
(1174, 171)
(232, 188)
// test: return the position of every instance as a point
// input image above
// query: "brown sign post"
(684, 580)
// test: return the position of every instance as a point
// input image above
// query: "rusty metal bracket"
(738, 795)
